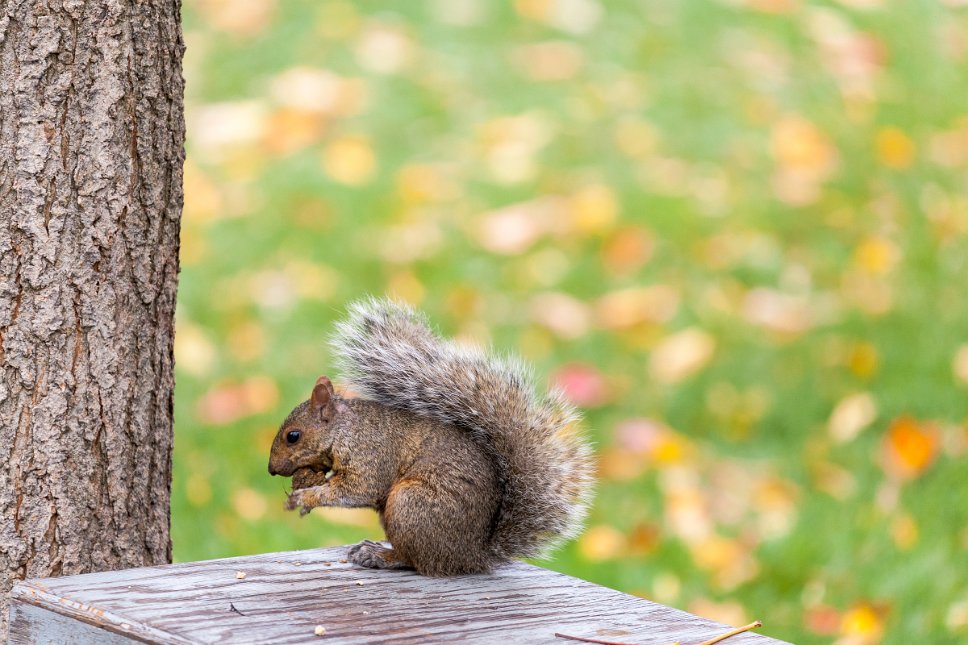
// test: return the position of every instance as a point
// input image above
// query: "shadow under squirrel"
(467, 466)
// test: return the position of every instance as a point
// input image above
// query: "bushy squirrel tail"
(389, 353)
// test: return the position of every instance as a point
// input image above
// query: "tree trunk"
(91, 152)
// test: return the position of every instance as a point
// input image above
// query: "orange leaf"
(909, 448)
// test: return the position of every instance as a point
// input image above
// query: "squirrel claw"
(294, 501)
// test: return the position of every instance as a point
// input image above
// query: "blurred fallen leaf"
(246, 341)
(618, 464)
(243, 19)
(419, 183)
(227, 403)
(959, 366)
(909, 447)
(583, 384)
(894, 148)
(198, 490)
(627, 250)
(601, 542)
(805, 157)
(956, 618)
(203, 199)
(572, 16)
(510, 144)
(384, 49)
(288, 131)
(249, 504)
(628, 307)
(851, 415)
(593, 209)
(194, 351)
(406, 243)
(350, 160)
(644, 539)
(863, 624)
(777, 311)
(904, 531)
(862, 359)
(556, 60)
(406, 286)
(218, 126)
(566, 316)
(823, 620)
(307, 89)
(681, 355)
(513, 229)
(876, 255)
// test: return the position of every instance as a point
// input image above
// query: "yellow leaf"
(197, 490)
(862, 359)
(407, 287)
(249, 504)
(904, 531)
(350, 160)
(289, 130)
(851, 415)
(241, 18)
(876, 255)
(194, 352)
(629, 307)
(894, 148)
(864, 621)
(681, 355)
(534, 9)
(601, 542)
(203, 201)
(618, 464)
(959, 365)
(800, 145)
(593, 209)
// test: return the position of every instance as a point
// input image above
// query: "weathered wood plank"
(284, 596)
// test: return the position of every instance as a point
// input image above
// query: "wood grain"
(284, 596)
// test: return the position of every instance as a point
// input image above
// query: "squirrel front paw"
(305, 499)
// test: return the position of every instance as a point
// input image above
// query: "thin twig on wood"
(711, 641)
(733, 632)
(233, 608)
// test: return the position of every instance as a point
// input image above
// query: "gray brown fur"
(467, 466)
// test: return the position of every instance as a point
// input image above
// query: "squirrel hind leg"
(439, 536)
(374, 555)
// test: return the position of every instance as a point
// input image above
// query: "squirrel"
(466, 465)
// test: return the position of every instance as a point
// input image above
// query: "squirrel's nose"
(280, 467)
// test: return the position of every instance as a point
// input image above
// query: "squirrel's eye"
(293, 436)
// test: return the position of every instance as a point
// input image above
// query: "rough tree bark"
(91, 153)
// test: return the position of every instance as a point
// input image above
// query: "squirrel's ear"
(322, 393)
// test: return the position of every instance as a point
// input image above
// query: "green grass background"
(793, 173)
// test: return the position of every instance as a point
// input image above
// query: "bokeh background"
(734, 231)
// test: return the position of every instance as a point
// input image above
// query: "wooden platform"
(283, 597)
